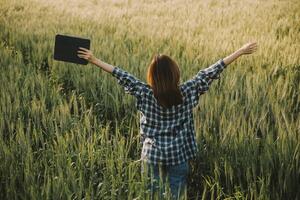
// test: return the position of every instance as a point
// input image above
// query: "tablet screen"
(66, 47)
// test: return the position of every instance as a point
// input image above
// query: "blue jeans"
(161, 176)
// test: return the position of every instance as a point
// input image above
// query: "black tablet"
(66, 47)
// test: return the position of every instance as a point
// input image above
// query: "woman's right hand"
(249, 48)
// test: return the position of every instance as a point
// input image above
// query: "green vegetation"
(68, 131)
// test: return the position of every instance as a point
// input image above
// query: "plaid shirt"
(168, 135)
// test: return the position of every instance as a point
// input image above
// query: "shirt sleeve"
(201, 82)
(130, 83)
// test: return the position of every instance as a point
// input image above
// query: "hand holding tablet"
(86, 54)
(66, 49)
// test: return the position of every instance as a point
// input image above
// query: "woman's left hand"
(86, 54)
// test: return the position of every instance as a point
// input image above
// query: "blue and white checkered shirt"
(168, 135)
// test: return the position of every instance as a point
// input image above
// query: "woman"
(166, 122)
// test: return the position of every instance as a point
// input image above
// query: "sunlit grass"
(69, 132)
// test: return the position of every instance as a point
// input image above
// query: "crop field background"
(69, 131)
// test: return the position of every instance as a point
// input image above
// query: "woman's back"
(168, 134)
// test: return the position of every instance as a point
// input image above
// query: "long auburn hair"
(163, 76)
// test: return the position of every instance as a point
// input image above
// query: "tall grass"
(69, 132)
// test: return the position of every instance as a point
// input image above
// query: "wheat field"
(69, 131)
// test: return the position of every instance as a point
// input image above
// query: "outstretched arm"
(88, 55)
(200, 83)
(130, 83)
(213, 72)
(245, 49)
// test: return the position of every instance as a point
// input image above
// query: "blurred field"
(69, 132)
